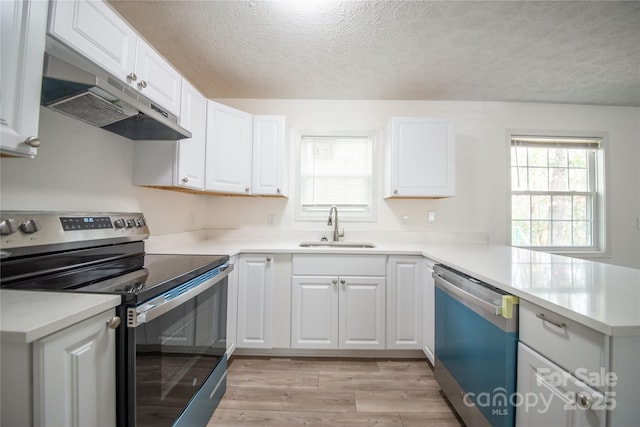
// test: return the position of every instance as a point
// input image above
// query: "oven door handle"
(157, 306)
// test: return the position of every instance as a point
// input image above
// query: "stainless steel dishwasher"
(476, 342)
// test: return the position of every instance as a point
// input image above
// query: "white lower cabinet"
(428, 311)
(232, 307)
(338, 302)
(67, 378)
(255, 301)
(331, 312)
(404, 302)
(557, 398)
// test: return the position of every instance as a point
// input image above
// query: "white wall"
(481, 161)
(80, 167)
(83, 168)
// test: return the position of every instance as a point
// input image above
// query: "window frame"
(599, 246)
(321, 215)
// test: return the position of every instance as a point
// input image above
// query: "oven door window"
(175, 353)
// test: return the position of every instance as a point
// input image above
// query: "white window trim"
(344, 216)
(601, 231)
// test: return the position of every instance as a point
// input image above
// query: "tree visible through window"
(554, 192)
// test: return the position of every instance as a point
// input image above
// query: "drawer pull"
(544, 319)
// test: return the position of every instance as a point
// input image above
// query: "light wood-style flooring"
(264, 391)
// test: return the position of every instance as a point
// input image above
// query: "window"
(556, 193)
(336, 170)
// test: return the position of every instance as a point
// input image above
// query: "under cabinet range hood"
(101, 100)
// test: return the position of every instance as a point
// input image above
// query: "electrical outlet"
(431, 216)
(270, 220)
(404, 221)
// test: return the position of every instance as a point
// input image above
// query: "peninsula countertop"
(602, 296)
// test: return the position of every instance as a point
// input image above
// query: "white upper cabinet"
(420, 157)
(23, 39)
(176, 163)
(93, 29)
(99, 34)
(269, 157)
(229, 150)
(155, 78)
(193, 116)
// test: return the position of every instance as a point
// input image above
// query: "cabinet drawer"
(575, 347)
(339, 265)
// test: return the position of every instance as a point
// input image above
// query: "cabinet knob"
(395, 191)
(32, 141)
(268, 259)
(114, 322)
(334, 281)
(584, 400)
(132, 77)
(185, 179)
(246, 189)
(342, 281)
(278, 190)
(142, 84)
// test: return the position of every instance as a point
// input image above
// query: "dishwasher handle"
(504, 310)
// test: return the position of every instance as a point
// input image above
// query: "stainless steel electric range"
(171, 343)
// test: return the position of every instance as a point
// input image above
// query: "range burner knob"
(119, 223)
(8, 226)
(130, 223)
(140, 222)
(30, 226)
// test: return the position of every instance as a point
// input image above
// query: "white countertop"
(26, 316)
(602, 296)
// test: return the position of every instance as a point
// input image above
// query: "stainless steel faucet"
(336, 234)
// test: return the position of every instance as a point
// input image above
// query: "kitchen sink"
(336, 245)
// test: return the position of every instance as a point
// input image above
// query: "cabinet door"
(23, 34)
(255, 290)
(421, 157)
(361, 312)
(93, 29)
(156, 78)
(428, 312)
(269, 159)
(232, 307)
(228, 153)
(193, 116)
(556, 393)
(74, 375)
(404, 303)
(314, 312)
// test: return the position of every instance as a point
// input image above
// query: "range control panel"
(29, 229)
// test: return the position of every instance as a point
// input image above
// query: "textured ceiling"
(585, 52)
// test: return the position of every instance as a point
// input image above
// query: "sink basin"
(336, 245)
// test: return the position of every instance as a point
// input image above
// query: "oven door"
(180, 339)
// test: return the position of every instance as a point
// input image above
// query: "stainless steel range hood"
(101, 100)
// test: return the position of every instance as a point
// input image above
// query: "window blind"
(336, 171)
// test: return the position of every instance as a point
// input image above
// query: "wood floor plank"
(430, 420)
(272, 379)
(400, 401)
(306, 364)
(288, 400)
(243, 418)
(389, 380)
(323, 392)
